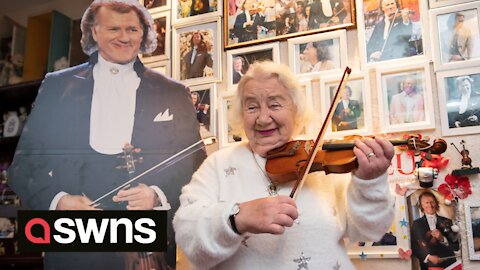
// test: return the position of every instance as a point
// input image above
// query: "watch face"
(236, 209)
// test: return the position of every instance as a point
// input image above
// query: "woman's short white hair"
(149, 41)
(264, 70)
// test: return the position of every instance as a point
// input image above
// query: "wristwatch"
(231, 218)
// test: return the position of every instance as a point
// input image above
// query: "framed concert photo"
(162, 26)
(459, 101)
(443, 3)
(258, 21)
(204, 102)
(188, 11)
(239, 60)
(227, 136)
(456, 36)
(405, 98)
(428, 211)
(156, 5)
(392, 30)
(472, 221)
(197, 52)
(162, 67)
(318, 53)
(353, 114)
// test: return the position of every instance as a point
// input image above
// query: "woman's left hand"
(373, 156)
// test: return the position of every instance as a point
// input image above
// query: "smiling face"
(409, 86)
(310, 53)
(118, 35)
(268, 115)
(389, 7)
(429, 205)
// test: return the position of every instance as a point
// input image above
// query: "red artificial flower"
(437, 161)
(456, 186)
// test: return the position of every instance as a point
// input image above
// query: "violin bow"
(319, 141)
(160, 166)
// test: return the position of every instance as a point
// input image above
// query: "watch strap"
(231, 218)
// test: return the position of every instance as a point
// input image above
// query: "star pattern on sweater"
(363, 256)
(302, 261)
(244, 241)
(336, 266)
(230, 171)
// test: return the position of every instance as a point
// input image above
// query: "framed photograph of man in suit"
(250, 22)
(391, 30)
(197, 52)
(456, 36)
(239, 60)
(353, 114)
(472, 221)
(204, 102)
(434, 233)
(459, 101)
(162, 26)
(161, 66)
(405, 98)
(325, 52)
(156, 5)
(189, 11)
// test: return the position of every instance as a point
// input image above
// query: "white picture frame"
(211, 34)
(333, 44)
(393, 114)
(359, 83)
(442, 3)
(182, 15)
(472, 221)
(268, 51)
(206, 116)
(449, 100)
(226, 138)
(306, 89)
(162, 23)
(445, 54)
(162, 67)
(418, 48)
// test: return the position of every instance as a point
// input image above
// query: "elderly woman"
(233, 217)
(466, 111)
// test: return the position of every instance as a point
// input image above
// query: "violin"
(286, 162)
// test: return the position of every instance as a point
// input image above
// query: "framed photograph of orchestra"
(392, 30)
(353, 113)
(197, 52)
(161, 24)
(318, 53)
(188, 11)
(239, 60)
(204, 102)
(250, 22)
(459, 101)
(472, 221)
(405, 98)
(456, 36)
(154, 6)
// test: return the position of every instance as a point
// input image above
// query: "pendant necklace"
(272, 188)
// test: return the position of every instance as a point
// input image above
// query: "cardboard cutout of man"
(70, 152)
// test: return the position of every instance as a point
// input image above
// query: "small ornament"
(114, 70)
(455, 228)
(272, 189)
(467, 168)
(455, 187)
(405, 254)
(302, 261)
(230, 171)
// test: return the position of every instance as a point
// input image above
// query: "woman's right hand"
(266, 215)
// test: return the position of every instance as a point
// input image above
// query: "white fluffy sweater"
(330, 208)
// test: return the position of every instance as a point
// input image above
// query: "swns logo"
(78, 231)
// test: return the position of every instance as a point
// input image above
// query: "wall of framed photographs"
(441, 57)
(381, 73)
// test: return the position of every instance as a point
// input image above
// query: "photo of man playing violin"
(392, 30)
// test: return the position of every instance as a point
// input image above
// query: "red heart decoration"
(404, 254)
